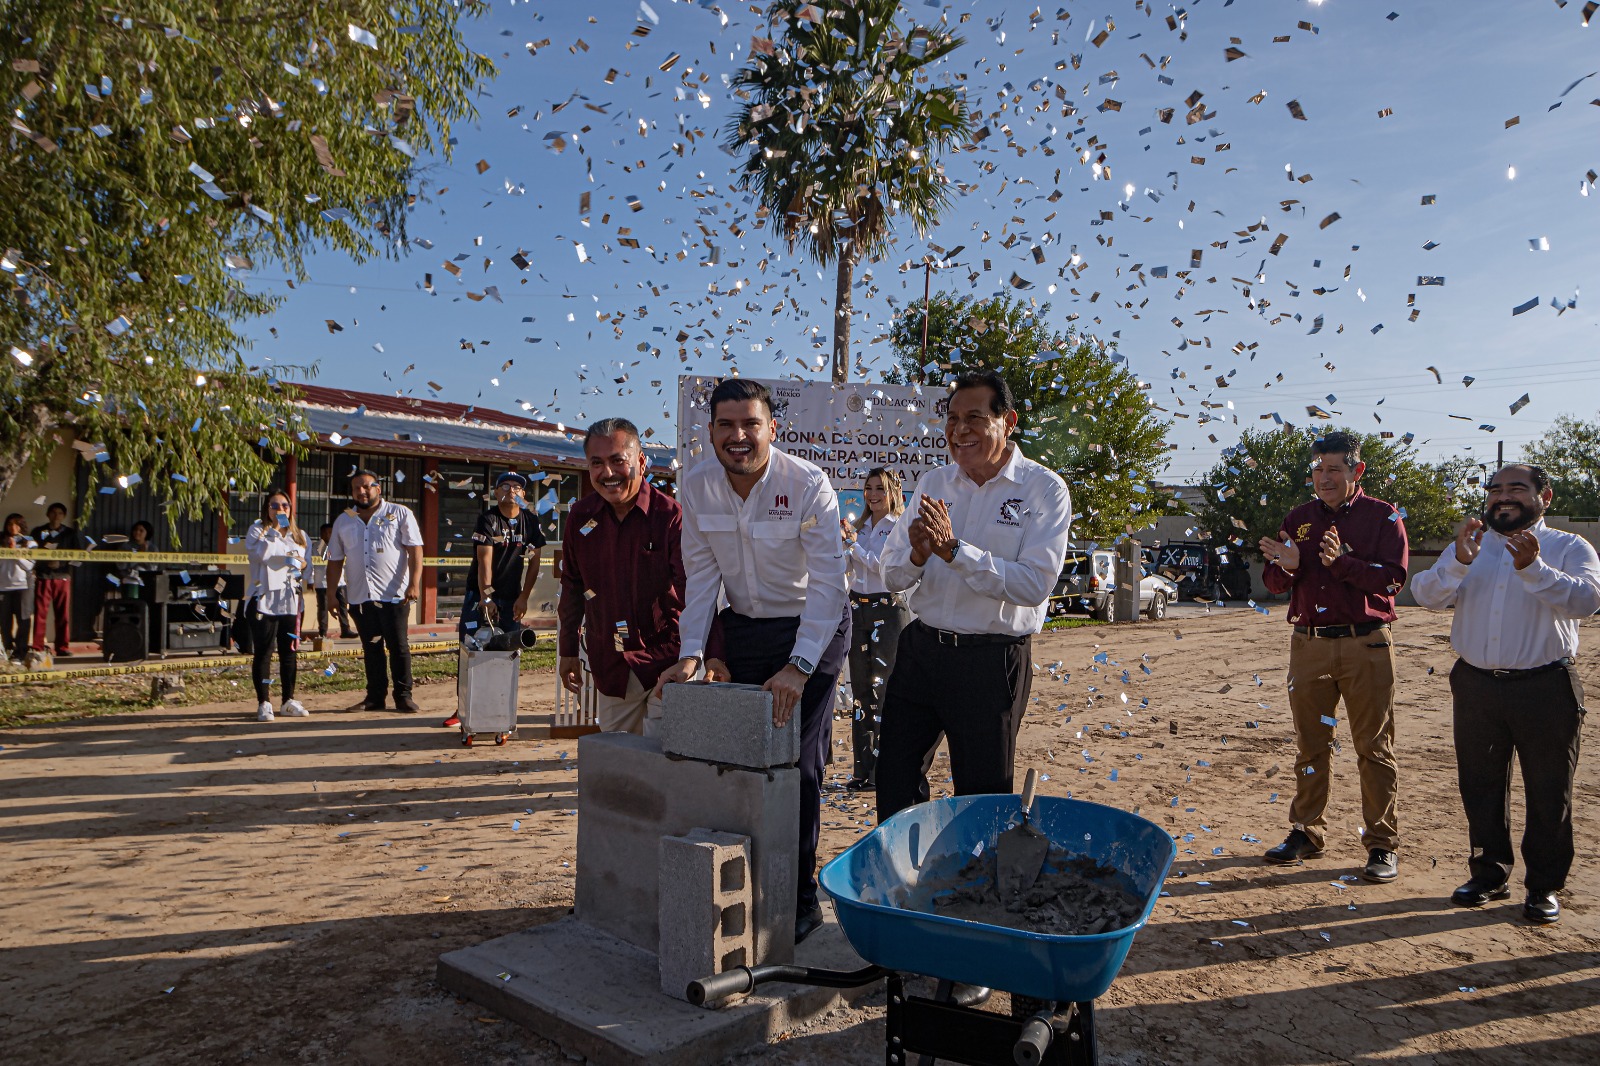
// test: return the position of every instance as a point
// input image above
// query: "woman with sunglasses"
(277, 551)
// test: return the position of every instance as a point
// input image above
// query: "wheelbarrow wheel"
(1080, 1032)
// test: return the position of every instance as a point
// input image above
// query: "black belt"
(1508, 675)
(1330, 632)
(965, 640)
(870, 598)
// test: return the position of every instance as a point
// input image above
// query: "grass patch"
(1071, 623)
(90, 696)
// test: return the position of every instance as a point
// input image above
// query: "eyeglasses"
(277, 506)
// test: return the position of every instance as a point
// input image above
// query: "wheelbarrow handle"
(746, 978)
(1029, 786)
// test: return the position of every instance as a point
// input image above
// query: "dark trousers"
(876, 621)
(13, 636)
(336, 598)
(383, 631)
(757, 648)
(267, 630)
(973, 695)
(53, 593)
(1539, 718)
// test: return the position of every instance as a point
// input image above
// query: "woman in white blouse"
(278, 557)
(876, 617)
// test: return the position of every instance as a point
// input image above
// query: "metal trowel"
(1021, 850)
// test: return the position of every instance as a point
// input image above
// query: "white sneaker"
(264, 712)
(295, 709)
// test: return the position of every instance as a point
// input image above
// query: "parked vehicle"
(1204, 571)
(1088, 581)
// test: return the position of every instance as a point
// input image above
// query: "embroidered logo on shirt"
(1011, 513)
(779, 502)
(1303, 533)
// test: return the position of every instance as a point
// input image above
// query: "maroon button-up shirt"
(634, 571)
(1361, 584)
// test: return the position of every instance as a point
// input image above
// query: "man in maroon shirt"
(621, 581)
(1341, 557)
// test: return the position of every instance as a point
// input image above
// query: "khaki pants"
(637, 711)
(1361, 670)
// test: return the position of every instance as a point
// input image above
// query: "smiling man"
(1342, 558)
(982, 555)
(1519, 589)
(621, 582)
(762, 527)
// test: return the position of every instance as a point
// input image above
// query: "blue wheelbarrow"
(1053, 979)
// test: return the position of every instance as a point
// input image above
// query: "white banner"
(845, 429)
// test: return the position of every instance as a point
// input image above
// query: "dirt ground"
(186, 885)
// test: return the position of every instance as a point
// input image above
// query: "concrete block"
(705, 907)
(726, 724)
(630, 795)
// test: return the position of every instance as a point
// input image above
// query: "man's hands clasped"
(931, 532)
(1285, 553)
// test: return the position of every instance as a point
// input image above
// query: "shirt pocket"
(1002, 541)
(718, 523)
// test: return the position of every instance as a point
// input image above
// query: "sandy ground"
(185, 885)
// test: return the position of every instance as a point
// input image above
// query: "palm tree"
(840, 137)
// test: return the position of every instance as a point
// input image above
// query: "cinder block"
(705, 907)
(725, 723)
(630, 795)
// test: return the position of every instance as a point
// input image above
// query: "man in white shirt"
(983, 553)
(382, 546)
(762, 527)
(327, 599)
(1519, 589)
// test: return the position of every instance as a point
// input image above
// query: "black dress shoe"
(404, 702)
(1381, 866)
(1476, 893)
(1296, 846)
(368, 705)
(1541, 908)
(808, 921)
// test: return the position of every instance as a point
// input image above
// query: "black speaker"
(125, 629)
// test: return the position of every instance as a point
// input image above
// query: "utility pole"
(1500, 445)
(927, 281)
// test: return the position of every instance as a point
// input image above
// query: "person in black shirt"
(506, 536)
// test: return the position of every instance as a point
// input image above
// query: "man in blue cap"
(506, 536)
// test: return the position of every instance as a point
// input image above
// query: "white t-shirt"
(319, 566)
(277, 570)
(374, 552)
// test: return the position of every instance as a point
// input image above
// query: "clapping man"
(762, 527)
(983, 553)
(1519, 589)
(1341, 557)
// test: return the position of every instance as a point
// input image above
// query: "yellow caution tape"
(68, 673)
(51, 555)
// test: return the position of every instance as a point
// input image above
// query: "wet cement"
(1074, 896)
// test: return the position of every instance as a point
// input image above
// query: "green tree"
(1081, 412)
(1268, 474)
(1569, 451)
(156, 150)
(839, 137)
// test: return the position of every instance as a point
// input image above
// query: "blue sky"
(1450, 75)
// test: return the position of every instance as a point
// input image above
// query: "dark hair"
(1339, 443)
(364, 472)
(987, 379)
(325, 525)
(55, 506)
(738, 390)
(10, 518)
(1536, 474)
(607, 427)
(149, 530)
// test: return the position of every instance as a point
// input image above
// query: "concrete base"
(598, 996)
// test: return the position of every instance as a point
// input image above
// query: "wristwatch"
(955, 547)
(805, 666)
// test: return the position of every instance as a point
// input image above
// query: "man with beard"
(1341, 557)
(621, 582)
(1519, 589)
(762, 527)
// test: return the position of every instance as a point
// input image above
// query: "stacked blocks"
(705, 907)
(730, 724)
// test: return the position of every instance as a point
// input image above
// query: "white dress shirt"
(1013, 532)
(774, 554)
(277, 570)
(374, 552)
(866, 556)
(1510, 619)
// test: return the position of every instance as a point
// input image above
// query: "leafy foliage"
(155, 150)
(840, 138)
(1569, 451)
(1268, 474)
(1080, 411)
